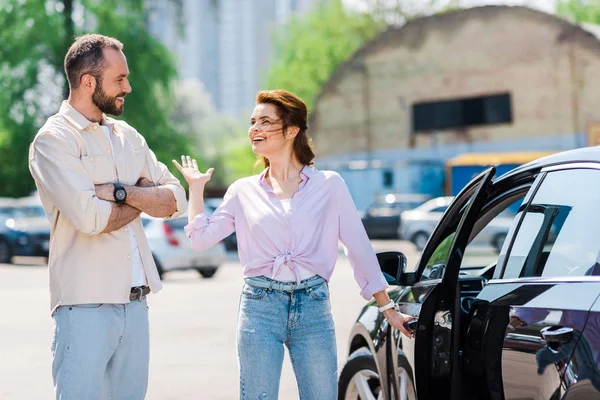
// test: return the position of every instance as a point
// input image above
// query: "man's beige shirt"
(68, 156)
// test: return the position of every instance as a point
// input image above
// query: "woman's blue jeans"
(300, 319)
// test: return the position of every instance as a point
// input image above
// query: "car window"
(208, 210)
(440, 209)
(6, 212)
(177, 223)
(436, 265)
(558, 236)
(29, 212)
(482, 250)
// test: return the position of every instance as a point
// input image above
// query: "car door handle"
(412, 325)
(557, 335)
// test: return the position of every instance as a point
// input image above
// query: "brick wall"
(548, 65)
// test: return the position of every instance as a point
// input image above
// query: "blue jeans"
(101, 351)
(302, 321)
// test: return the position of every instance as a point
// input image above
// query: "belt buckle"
(293, 287)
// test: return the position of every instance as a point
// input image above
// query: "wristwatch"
(389, 305)
(120, 193)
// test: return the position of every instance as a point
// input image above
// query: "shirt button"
(108, 151)
(129, 257)
(91, 159)
(95, 127)
(125, 229)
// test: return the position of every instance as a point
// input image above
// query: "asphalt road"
(192, 338)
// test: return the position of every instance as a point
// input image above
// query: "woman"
(288, 221)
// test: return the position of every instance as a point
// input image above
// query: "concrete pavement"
(192, 321)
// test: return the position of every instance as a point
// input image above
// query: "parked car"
(524, 324)
(7, 207)
(382, 219)
(172, 250)
(13, 242)
(24, 229)
(418, 224)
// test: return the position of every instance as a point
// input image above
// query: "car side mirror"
(393, 267)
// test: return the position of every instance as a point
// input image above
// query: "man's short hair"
(85, 57)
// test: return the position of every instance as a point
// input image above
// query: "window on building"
(388, 178)
(461, 113)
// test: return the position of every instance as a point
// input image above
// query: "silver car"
(417, 225)
(172, 249)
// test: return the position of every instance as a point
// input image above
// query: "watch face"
(120, 195)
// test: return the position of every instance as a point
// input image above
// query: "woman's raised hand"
(191, 173)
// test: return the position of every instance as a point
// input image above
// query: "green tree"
(309, 47)
(579, 10)
(221, 139)
(35, 36)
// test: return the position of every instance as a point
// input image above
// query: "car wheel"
(405, 378)
(359, 379)
(207, 272)
(5, 252)
(498, 241)
(420, 240)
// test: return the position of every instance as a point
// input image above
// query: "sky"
(544, 5)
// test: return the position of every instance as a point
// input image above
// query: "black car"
(19, 239)
(382, 219)
(524, 324)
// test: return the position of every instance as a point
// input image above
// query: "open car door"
(437, 357)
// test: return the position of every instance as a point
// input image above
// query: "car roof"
(581, 155)
(7, 202)
(436, 202)
(149, 217)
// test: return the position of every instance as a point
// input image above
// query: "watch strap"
(389, 305)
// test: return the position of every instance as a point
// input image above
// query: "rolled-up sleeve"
(161, 176)
(58, 172)
(205, 231)
(363, 260)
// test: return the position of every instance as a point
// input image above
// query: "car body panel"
(423, 220)
(382, 218)
(25, 226)
(181, 255)
(484, 357)
(522, 365)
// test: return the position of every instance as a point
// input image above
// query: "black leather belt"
(138, 292)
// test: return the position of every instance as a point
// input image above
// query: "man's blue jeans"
(302, 321)
(101, 351)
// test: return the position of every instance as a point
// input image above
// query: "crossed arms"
(56, 165)
(143, 197)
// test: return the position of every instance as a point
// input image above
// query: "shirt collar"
(78, 120)
(306, 173)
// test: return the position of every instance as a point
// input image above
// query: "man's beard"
(106, 104)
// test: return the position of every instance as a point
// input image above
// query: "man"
(95, 175)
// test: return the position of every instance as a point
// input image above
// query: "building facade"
(485, 79)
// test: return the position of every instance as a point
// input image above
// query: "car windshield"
(483, 249)
(29, 212)
(177, 223)
(7, 212)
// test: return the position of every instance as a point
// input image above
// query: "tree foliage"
(309, 47)
(579, 10)
(34, 38)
